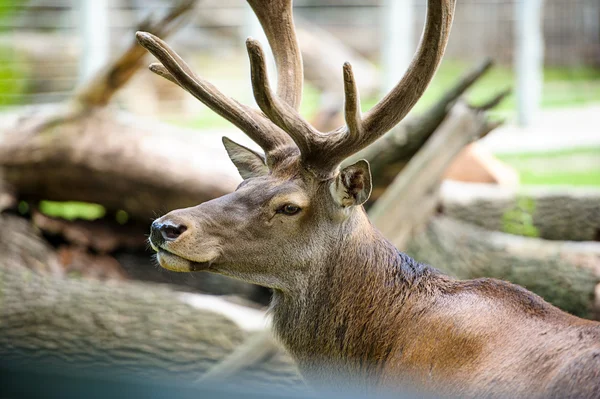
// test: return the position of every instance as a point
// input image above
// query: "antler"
(251, 122)
(320, 152)
(323, 152)
(277, 21)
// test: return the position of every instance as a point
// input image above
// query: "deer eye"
(289, 209)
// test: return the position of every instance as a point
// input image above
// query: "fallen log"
(24, 246)
(413, 195)
(554, 214)
(83, 151)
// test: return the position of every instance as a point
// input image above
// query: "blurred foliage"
(72, 210)
(519, 221)
(13, 75)
(8, 7)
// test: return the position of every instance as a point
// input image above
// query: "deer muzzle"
(166, 233)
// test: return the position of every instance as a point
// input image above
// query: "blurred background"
(93, 146)
(550, 48)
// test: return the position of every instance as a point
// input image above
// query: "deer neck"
(348, 315)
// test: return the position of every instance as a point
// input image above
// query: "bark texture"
(22, 245)
(114, 160)
(569, 215)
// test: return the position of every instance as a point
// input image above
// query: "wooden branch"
(99, 90)
(140, 166)
(493, 101)
(252, 351)
(410, 199)
(21, 247)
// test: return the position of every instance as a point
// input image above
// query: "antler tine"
(394, 106)
(278, 111)
(352, 102)
(276, 19)
(251, 122)
(160, 70)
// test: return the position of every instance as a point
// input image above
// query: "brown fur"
(376, 315)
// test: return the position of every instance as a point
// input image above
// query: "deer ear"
(249, 163)
(353, 184)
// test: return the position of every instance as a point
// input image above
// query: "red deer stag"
(343, 295)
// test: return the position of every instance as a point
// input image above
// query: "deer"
(345, 300)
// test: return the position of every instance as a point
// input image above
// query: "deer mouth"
(173, 262)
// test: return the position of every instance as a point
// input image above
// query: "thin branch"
(490, 126)
(494, 101)
(250, 353)
(99, 90)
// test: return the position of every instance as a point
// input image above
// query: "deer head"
(295, 205)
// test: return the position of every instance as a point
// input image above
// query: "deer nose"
(163, 232)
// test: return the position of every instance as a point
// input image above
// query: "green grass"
(12, 79)
(580, 179)
(572, 167)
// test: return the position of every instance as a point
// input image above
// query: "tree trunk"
(563, 273)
